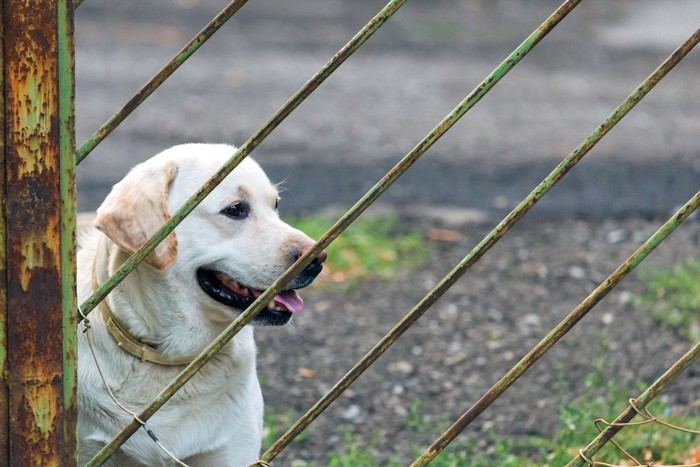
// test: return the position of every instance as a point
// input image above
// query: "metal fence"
(39, 319)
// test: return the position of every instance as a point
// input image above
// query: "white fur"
(216, 418)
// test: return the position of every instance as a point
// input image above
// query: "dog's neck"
(150, 327)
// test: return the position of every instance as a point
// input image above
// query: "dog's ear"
(136, 208)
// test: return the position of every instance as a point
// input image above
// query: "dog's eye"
(236, 211)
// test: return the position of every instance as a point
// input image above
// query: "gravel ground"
(498, 311)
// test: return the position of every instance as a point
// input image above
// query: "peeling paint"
(35, 142)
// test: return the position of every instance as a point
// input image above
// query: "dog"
(162, 315)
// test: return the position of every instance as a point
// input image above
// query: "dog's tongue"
(291, 300)
(288, 299)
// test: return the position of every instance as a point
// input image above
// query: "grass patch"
(649, 443)
(604, 397)
(373, 247)
(673, 296)
(355, 454)
(276, 424)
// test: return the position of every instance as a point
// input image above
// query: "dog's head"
(229, 249)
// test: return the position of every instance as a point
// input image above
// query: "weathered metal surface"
(69, 203)
(4, 389)
(159, 78)
(32, 155)
(641, 402)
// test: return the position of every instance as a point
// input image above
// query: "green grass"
(371, 248)
(574, 431)
(603, 398)
(275, 425)
(673, 296)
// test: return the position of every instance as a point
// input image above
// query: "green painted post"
(38, 351)
(69, 204)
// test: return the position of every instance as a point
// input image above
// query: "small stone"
(626, 297)
(577, 272)
(530, 320)
(401, 366)
(617, 236)
(306, 373)
(500, 202)
(352, 412)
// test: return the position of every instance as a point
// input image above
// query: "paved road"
(394, 90)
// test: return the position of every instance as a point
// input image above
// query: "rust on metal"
(4, 390)
(68, 215)
(33, 233)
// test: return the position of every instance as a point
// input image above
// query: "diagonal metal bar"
(558, 332)
(77, 3)
(641, 402)
(340, 226)
(242, 152)
(499, 231)
(160, 77)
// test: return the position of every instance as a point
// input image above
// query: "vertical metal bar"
(68, 193)
(34, 124)
(558, 332)
(4, 389)
(641, 402)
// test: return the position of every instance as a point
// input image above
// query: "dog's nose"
(321, 256)
(314, 267)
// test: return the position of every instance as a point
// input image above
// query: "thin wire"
(150, 432)
(648, 418)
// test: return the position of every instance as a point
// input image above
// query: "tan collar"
(122, 337)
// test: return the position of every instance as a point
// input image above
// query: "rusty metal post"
(38, 347)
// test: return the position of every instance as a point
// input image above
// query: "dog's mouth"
(226, 290)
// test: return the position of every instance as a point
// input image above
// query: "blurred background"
(360, 122)
(392, 92)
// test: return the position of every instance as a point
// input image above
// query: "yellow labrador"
(190, 288)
